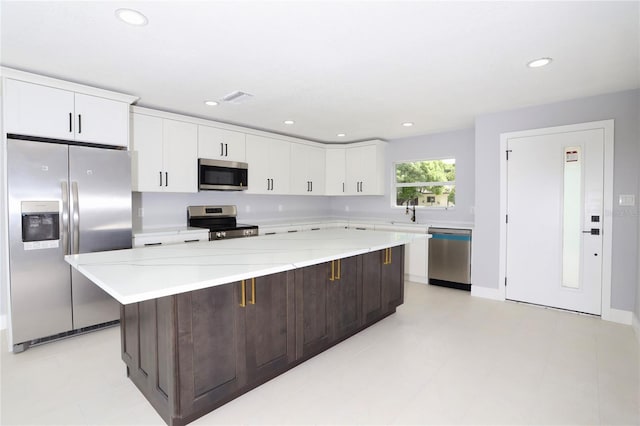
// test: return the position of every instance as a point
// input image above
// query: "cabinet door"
(211, 346)
(279, 164)
(270, 325)
(316, 170)
(100, 120)
(372, 303)
(300, 181)
(345, 298)
(258, 160)
(307, 170)
(221, 144)
(180, 156)
(362, 171)
(313, 317)
(35, 110)
(335, 171)
(147, 172)
(392, 277)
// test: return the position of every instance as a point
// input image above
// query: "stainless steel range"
(221, 222)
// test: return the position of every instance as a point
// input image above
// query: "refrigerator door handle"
(65, 217)
(75, 249)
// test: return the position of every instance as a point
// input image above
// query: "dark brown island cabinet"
(192, 352)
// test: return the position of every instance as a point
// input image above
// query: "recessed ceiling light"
(289, 121)
(540, 62)
(132, 17)
(211, 103)
(407, 124)
(341, 135)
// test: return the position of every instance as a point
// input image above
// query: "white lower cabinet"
(169, 236)
(164, 154)
(269, 162)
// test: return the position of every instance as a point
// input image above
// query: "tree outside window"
(427, 183)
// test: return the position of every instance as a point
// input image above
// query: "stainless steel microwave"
(222, 175)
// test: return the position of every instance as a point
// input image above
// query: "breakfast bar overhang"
(205, 322)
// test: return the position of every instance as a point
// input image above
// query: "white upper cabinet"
(307, 169)
(365, 169)
(164, 154)
(335, 158)
(269, 162)
(49, 112)
(221, 144)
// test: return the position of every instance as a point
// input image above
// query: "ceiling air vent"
(237, 97)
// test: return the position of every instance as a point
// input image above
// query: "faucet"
(413, 210)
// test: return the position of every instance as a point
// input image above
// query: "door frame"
(607, 313)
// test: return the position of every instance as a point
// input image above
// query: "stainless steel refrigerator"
(62, 199)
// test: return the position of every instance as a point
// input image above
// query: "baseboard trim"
(619, 316)
(486, 293)
(636, 327)
(416, 279)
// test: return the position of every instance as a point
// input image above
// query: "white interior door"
(555, 220)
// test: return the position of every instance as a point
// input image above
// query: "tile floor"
(444, 358)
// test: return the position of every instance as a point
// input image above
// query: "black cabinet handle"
(221, 149)
(160, 178)
(70, 122)
(226, 149)
(79, 123)
(166, 178)
(342, 186)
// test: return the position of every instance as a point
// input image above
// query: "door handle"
(75, 248)
(592, 231)
(226, 149)
(70, 122)
(65, 217)
(253, 292)
(243, 294)
(221, 149)
(166, 178)
(79, 123)
(160, 178)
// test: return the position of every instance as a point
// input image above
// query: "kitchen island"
(202, 323)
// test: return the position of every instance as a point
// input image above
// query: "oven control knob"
(218, 234)
(224, 234)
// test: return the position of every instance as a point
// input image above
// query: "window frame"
(395, 185)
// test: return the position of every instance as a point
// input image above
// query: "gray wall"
(458, 144)
(623, 107)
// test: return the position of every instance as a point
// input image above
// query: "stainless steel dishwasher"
(450, 257)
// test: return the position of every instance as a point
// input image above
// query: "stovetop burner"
(220, 220)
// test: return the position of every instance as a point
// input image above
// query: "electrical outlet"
(627, 200)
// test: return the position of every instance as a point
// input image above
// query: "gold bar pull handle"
(386, 255)
(339, 268)
(253, 292)
(333, 271)
(390, 261)
(243, 301)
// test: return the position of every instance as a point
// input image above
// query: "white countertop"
(181, 230)
(145, 273)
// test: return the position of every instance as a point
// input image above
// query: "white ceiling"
(355, 67)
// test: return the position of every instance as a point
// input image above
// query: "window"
(426, 183)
